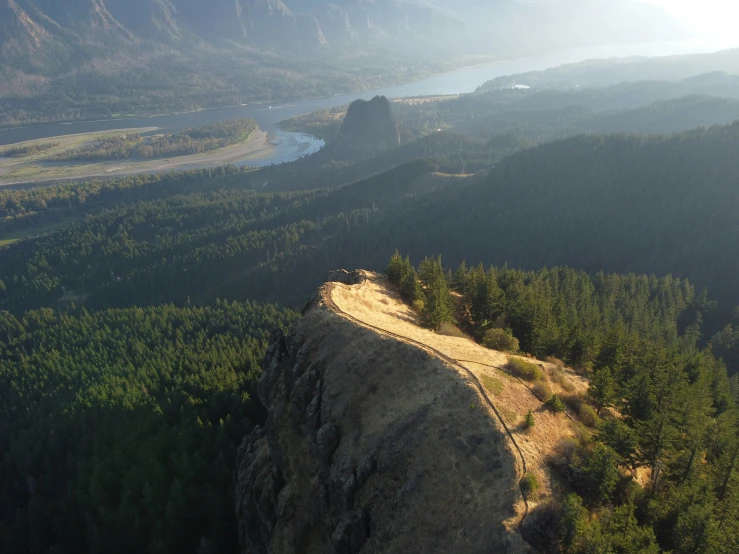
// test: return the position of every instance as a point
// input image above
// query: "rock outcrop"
(368, 129)
(371, 445)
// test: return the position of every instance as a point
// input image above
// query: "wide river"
(290, 146)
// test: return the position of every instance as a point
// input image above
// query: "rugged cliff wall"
(368, 128)
(371, 445)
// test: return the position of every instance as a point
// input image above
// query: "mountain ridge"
(344, 408)
(293, 26)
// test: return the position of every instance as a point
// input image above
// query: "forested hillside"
(657, 474)
(619, 203)
(119, 428)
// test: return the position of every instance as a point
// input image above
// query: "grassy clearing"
(492, 384)
(38, 168)
(509, 416)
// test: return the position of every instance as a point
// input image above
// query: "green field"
(39, 166)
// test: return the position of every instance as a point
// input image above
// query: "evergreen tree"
(529, 420)
(602, 388)
(395, 269)
(410, 288)
(438, 307)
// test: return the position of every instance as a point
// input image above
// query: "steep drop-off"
(378, 441)
(372, 445)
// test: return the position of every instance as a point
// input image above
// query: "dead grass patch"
(509, 416)
(557, 375)
(449, 330)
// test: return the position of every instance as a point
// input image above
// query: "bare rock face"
(368, 129)
(371, 445)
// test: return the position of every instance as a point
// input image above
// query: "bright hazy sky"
(712, 16)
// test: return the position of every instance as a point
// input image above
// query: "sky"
(718, 17)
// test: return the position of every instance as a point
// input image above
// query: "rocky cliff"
(371, 445)
(368, 128)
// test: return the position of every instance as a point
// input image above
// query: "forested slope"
(119, 428)
(634, 482)
(625, 203)
(662, 205)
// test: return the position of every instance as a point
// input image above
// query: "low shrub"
(587, 415)
(573, 401)
(529, 420)
(499, 339)
(530, 486)
(525, 370)
(557, 376)
(541, 527)
(542, 391)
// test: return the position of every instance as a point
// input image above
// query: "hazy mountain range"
(34, 33)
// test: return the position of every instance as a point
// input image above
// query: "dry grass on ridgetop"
(376, 303)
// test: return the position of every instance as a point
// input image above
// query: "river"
(291, 146)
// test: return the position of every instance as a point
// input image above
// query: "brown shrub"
(557, 376)
(573, 401)
(541, 527)
(556, 362)
(450, 330)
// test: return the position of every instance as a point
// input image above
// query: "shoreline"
(415, 78)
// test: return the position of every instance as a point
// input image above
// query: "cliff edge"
(375, 443)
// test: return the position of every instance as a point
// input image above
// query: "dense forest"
(119, 428)
(195, 140)
(664, 405)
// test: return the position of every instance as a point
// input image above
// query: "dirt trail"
(375, 304)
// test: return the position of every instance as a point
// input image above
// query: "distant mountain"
(86, 59)
(53, 29)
